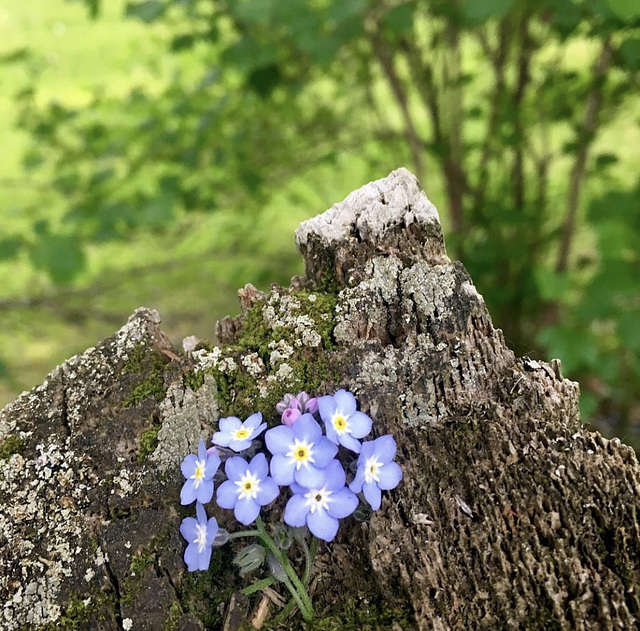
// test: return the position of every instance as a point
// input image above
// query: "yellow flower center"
(372, 470)
(241, 434)
(301, 452)
(248, 486)
(198, 474)
(340, 423)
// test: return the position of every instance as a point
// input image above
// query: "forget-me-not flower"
(376, 470)
(343, 422)
(320, 507)
(199, 471)
(199, 534)
(300, 452)
(248, 488)
(238, 435)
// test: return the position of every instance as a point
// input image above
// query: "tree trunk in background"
(510, 515)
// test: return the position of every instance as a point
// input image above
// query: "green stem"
(294, 585)
(245, 533)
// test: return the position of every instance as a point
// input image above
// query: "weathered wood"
(510, 514)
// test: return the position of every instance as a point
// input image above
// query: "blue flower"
(199, 471)
(376, 471)
(320, 507)
(248, 487)
(343, 422)
(300, 452)
(238, 435)
(200, 534)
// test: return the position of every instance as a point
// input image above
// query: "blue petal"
(201, 514)
(189, 465)
(202, 450)
(246, 510)
(323, 452)
(349, 442)
(239, 445)
(297, 489)
(259, 467)
(221, 438)
(295, 513)
(310, 477)
(212, 530)
(192, 558)
(258, 430)
(359, 424)
(227, 494)
(279, 439)
(307, 428)
(254, 420)
(322, 525)
(203, 559)
(229, 424)
(188, 493)
(204, 492)
(367, 450)
(358, 481)
(385, 448)
(389, 476)
(332, 435)
(211, 466)
(345, 402)
(326, 407)
(342, 503)
(335, 475)
(372, 494)
(282, 469)
(235, 468)
(188, 529)
(268, 492)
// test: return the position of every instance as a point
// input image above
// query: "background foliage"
(163, 152)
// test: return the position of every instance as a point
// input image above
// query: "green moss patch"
(145, 361)
(11, 445)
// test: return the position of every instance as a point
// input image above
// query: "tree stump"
(510, 514)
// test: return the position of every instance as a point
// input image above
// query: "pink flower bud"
(290, 416)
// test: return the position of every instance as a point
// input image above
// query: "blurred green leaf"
(630, 53)
(626, 10)
(604, 160)
(478, 11)
(264, 80)
(60, 256)
(9, 247)
(399, 20)
(147, 11)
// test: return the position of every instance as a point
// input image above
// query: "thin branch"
(385, 59)
(585, 138)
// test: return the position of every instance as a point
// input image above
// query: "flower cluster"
(299, 456)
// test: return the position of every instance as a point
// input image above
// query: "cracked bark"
(510, 514)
